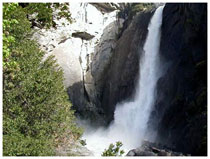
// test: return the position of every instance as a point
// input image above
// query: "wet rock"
(164, 153)
(153, 149)
(131, 153)
(139, 152)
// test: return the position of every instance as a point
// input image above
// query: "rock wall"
(74, 44)
(180, 113)
(112, 75)
(122, 73)
(83, 49)
(100, 68)
(100, 59)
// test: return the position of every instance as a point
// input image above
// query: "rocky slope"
(180, 113)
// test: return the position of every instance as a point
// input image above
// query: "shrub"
(83, 142)
(114, 150)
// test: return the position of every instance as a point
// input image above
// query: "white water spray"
(130, 119)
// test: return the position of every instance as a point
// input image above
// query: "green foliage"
(37, 114)
(43, 13)
(83, 142)
(15, 27)
(114, 150)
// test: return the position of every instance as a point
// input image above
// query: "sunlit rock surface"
(83, 49)
(74, 44)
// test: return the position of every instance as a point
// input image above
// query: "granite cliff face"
(180, 112)
(74, 44)
(112, 75)
(83, 49)
(99, 55)
(121, 78)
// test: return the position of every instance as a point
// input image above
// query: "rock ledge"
(153, 149)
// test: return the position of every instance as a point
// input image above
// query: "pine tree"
(37, 114)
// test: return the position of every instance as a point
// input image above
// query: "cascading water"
(130, 119)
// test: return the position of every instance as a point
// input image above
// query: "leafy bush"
(83, 142)
(43, 12)
(37, 114)
(114, 150)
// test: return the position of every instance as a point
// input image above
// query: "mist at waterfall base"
(130, 118)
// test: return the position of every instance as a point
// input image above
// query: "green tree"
(114, 150)
(37, 114)
(42, 13)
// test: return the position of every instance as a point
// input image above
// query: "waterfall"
(130, 118)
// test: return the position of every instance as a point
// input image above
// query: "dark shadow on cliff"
(180, 113)
(84, 109)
